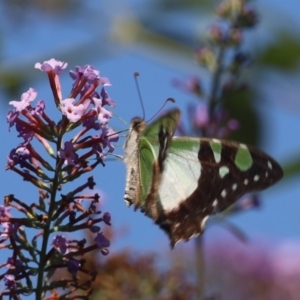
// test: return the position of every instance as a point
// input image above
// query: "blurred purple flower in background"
(256, 270)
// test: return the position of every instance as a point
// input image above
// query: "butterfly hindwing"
(234, 170)
(142, 150)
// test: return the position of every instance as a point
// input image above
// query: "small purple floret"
(106, 100)
(73, 266)
(109, 136)
(11, 117)
(60, 244)
(68, 154)
(18, 156)
(40, 107)
(10, 281)
(4, 211)
(26, 97)
(90, 73)
(51, 65)
(107, 218)
(201, 116)
(103, 114)
(102, 241)
(72, 112)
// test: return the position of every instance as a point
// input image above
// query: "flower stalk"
(51, 215)
(224, 60)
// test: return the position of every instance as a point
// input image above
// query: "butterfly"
(180, 181)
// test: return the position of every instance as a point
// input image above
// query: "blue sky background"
(43, 36)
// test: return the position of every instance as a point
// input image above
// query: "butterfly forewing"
(205, 176)
(181, 172)
(167, 122)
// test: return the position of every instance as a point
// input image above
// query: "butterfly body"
(180, 181)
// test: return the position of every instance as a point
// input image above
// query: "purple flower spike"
(72, 112)
(27, 97)
(51, 65)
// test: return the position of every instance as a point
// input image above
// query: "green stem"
(212, 101)
(200, 265)
(216, 80)
(47, 229)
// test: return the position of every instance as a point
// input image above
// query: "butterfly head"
(138, 125)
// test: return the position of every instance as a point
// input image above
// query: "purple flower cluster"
(87, 111)
(204, 120)
(223, 58)
(63, 161)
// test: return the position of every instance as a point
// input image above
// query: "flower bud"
(215, 34)
(248, 18)
(206, 57)
(229, 9)
(235, 37)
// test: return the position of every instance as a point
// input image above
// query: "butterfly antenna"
(121, 119)
(136, 74)
(116, 132)
(168, 100)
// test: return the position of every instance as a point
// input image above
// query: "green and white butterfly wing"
(180, 181)
(143, 149)
(147, 157)
(153, 146)
(204, 176)
(168, 122)
(181, 172)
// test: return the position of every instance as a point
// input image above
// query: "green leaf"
(292, 168)
(283, 53)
